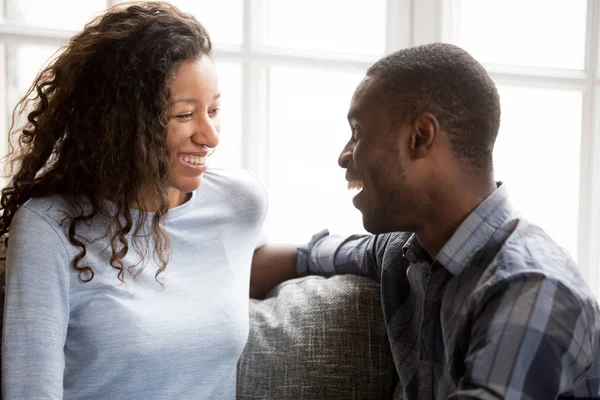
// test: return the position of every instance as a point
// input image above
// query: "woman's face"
(194, 125)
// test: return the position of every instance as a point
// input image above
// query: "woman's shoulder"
(47, 207)
(230, 182)
(237, 189)
(39, 222)
(233, 177)
(50, 211)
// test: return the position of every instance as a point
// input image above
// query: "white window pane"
(341, 26)
(307, 131)
(542, 33)
(24, 64)
(4, 120)
(229, 152)
(29, 61)
(63, 14)
(537, 155)
(223, 19)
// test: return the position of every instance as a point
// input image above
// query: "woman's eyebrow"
(194, 100)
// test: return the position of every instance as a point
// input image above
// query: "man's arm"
(329, 255)
(324, 255)
(271, 265)
(532, 337)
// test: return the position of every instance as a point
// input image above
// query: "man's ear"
(424, 130)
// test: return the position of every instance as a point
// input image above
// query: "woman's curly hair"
(96, 128)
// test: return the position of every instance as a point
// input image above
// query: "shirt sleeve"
(36, 310)
(329, 255)
(531, 338)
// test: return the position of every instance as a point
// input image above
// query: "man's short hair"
(448, 82)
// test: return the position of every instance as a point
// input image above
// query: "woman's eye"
(215, 111)
(184, 116)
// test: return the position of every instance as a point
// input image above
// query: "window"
(548, 148)
(307, 132)
(307, 25)
(543, 33)
(288, 69)
(539, 157)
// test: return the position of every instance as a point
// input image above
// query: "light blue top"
(105, 340)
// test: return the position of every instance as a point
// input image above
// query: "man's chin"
(371, 225)
(380, 224)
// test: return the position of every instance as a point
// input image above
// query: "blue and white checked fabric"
(501, 313)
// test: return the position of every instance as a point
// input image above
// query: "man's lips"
(354, 181)
(355, 185)
(352, 176)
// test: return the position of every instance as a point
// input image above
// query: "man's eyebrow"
(193, 100)
(351, 114)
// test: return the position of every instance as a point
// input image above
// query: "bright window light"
(223, 19)
(338, 26)
(63, 14)
(537, 154)
(538, 33)
(229, 151)
(308, 129)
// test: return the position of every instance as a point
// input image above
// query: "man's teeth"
(194, 160)
(355, 185)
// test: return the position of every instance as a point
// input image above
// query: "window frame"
(408, 23)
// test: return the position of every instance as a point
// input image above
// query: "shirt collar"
(470, 237)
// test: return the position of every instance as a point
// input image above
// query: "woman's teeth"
(355, 185)
(194, 160)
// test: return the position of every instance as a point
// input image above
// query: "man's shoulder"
(524, 246)
(522, 250)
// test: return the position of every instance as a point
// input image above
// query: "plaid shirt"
(501, 313)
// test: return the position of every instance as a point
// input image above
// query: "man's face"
(376, 160)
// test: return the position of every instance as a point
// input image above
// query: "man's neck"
(450, 207)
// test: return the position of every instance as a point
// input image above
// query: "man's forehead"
(364, 95)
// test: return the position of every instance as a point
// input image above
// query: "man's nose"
(345, 156)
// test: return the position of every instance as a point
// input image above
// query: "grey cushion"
(316, 338)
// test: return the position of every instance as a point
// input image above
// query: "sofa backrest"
(316, 338)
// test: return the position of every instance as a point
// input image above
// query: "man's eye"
(215, 111)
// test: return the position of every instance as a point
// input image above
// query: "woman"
(128, 262)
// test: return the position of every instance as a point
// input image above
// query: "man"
(478, 302)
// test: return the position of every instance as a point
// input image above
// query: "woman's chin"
(184, 186)
(187, 183)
